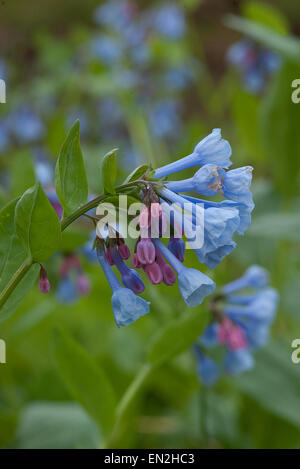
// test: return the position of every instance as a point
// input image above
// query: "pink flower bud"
(231, 335)
(83, 284)
(154, 273)
(44, 284)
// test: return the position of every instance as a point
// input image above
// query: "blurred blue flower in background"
(4, 135)
(164, 118)
(254, 63)
(169, 21)
(26, 125)
(240, 322)
(106, 48)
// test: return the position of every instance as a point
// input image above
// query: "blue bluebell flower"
(207, 368)
(254, 277)
(114, 14)
(219, 225)
(211, 180)
(209, 337)
(106, 48)
(26, 125)
(241, 322)
(213, 149)
(67, 291)
(238, 361)
(164, 118)
(169, 21)
(127, 307)
(194, 285)
(254, 63)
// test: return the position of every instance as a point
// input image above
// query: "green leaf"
(177, 336)
(279, 125)
(70, 175)
(37, 224)
(85, 380)
(246, 122)
(109, 171)
(275, 226)
(287, 46)
(275, 382)
(136, 173)
(267, 15)
(22, 172)
(56, 425)
(12, 255)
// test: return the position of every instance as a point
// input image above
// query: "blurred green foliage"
(68, 365)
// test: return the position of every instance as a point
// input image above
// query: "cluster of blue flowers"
(254, 63)
(160, 262)
(126, 44)
(240, 325)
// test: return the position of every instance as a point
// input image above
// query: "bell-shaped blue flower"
(236, 185)
(127, 307)
(207, 368)
(254, 277)
(194, 285)
(238, 361)
(213, 149)
(206, 181)
(209, 337)
(67, 291)
(262, 308)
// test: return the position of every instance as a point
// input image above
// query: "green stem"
(95, 202)
(126, 403)
(14, 281)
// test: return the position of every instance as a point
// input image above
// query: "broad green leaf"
(287, 46)
(275, 226)
(85, 380)
(279, 126)
(174, 338)
(274, 382)
(56, 425)
(22, 172)
(70, 175)
(136, 173)
(266, 14)
(37, 224)
(21, 290)
(109, 171)
(12, 255)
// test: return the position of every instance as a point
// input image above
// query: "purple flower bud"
(145, 251)
(124, 251)
(169, 276)
(108, 257)
(177, 247)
